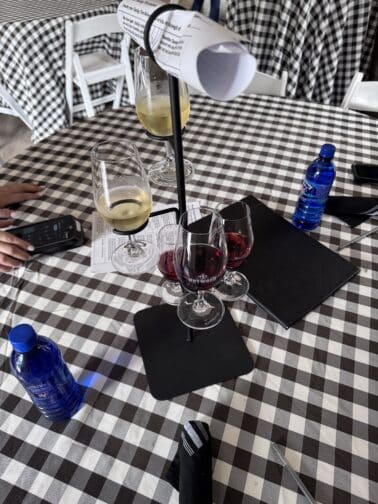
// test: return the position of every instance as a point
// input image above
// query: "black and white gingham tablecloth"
(314, 386)
(32, 56)
(27, 10)
(321, 44)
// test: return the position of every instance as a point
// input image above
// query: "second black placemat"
(289, 272)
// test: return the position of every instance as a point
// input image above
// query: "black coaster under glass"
(175, 366)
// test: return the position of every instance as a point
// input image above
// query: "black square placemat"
(175, 366)
(289, 272)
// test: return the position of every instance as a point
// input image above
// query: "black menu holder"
(289, 272)
(175, 366)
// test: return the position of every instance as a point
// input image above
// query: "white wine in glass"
(154, 113)
(122, 196)
(125, 208)
(153, 109)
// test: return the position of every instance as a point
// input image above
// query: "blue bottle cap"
(327, 151)
(23, 337)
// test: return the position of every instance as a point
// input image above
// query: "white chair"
(12, 107)
(87, 69)
(267, 85)
(361, 95)
(261, 84)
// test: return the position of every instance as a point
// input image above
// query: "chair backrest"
(357, 78)
(13, 107)
(91, 27)
(218, 8)
(361, 95)
(266, 84)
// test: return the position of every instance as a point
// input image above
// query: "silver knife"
(357, 239)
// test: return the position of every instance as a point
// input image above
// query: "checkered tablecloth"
(313, 389)
(27, 10)
(321, 44)
(32, 58)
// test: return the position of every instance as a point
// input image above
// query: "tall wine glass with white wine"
(122, 196)
(153, 109)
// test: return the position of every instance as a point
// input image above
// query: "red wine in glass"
(166, 265)
(200, 262)
(237, 224)
(201, 267)
(171, 290)
(238, 247)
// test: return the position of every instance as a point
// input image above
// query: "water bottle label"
(315, 190)
(52, 390)
(49, 391)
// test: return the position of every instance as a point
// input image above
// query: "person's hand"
(15, 193)
(13, 251)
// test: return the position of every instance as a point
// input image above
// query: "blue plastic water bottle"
(316, 186)
(38, 364)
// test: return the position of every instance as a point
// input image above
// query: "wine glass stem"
(228, 277)
(169, 152)
(200, 305)
(134, 248)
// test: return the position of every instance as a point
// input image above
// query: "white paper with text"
(104, 241)
(192, 47)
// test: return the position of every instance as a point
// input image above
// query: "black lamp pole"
(174, 96)
(177, 141)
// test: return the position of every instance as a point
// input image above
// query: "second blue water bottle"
(39, 366)
(316, 186)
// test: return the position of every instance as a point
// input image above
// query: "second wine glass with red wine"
(237, 223)
(171, 291)
(200, 262)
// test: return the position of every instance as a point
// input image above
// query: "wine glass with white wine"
(122, 196)
(153, 109)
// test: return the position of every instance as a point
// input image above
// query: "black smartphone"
(365, 173)
(52, 235)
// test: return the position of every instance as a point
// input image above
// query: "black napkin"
(190, 470)
(352, 209)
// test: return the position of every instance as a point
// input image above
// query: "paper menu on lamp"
(192, 47)
(104, 241)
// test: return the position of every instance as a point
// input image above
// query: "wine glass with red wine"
(171, 288)
(200, 263)
(237, 223)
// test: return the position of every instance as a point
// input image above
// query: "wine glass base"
(163, 173)
(171, 292)
(233, 288)
(135, 258)
(209, 315)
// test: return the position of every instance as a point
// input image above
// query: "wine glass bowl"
(153, 108)
(122, 197)
(237, 225)
(171, 288)
(239, 247)
(200, 262)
